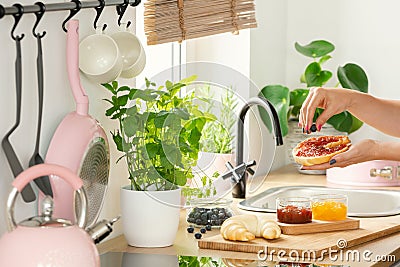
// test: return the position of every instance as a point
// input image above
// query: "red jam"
(294, 214)
(314, 151)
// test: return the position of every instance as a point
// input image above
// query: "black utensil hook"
(72, 13)
(99, 9)
(121, 11)
(17, 17)
(39, 15)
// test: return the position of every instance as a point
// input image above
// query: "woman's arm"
(382, 114)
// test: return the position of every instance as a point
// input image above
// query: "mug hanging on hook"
(99, 10)
(39, 15)
(72, 13)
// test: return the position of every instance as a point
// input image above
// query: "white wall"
(364, 32)
(58, 100)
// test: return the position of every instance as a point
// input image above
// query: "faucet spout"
(239, 190)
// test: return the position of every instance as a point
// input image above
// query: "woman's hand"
(333, 101)
(363, 151)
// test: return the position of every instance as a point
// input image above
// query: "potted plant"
(216, 142)
(288, 103)
(159, 133)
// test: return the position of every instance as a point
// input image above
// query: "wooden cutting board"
(319, 226)
(316, 242)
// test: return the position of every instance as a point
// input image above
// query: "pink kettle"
(43, 240)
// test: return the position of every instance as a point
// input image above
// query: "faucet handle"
(236, 173)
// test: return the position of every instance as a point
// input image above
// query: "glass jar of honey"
(293, 210)
(329, 207)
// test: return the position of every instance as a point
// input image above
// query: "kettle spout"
(101, 230)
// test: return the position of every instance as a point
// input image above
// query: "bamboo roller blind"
(177, 20)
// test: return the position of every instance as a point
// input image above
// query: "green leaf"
(315, 49)
(114, 85)
(297, 96)
(109, 88)
(152, 149)
(124, 88)
(131, 125)
(159, 120)
(117, 140)
(168, 85)
(342, 122)
(111, 111)
(356, 124)
(122, 100)
(132, 111)
(188, 80)
(324, 59)
(352, 76)
(278, 95)
(315, 76)
(194, 137)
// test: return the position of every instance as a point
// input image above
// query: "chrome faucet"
(239, 190)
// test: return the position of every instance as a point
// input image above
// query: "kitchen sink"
(361, 202)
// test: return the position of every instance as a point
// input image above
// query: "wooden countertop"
(186, 244)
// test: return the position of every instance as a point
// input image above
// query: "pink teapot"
(45, 241)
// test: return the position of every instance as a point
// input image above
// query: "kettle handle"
(42, 170)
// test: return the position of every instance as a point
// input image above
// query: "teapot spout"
(101, 230)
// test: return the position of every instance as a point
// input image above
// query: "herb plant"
(217, 135)
(288, 103)
(159, 132)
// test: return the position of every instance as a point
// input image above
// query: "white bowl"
(99, 58)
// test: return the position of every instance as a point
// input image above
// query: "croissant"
(247, 227)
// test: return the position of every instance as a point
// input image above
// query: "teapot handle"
(42, 170)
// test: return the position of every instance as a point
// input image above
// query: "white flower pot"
(150, 218)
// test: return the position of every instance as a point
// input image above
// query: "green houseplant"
(159, 133)
(288, 103)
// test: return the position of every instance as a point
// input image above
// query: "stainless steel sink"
(361, 202)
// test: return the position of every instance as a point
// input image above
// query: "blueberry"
(214, 217)
(313, 128)
(197, 235)
(198, 221)
(190, 229)
(203, 230)
(221, 215)
(208, 227)
(203, 216)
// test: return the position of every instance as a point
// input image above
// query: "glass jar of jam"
(329, 207)
(293, 210)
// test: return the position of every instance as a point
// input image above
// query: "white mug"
(99, 58)
(132, 53)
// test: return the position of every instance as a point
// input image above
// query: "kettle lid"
(46, 219)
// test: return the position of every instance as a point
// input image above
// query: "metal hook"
(17, 18)
(99, 10)
(39, 14)
(121, 11)
(72, 13)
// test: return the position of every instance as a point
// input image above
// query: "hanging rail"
(12, 10)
